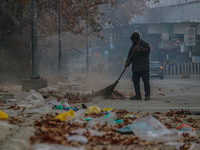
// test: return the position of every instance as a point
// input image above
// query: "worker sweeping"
(140, 65)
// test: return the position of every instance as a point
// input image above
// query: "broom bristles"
(108, 90)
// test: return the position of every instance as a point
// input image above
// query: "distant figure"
(140, 65)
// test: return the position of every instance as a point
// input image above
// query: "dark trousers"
(136, 81)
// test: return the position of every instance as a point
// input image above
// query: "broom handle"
(126, 67)
(121, 74)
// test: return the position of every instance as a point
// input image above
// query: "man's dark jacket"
(140, 59)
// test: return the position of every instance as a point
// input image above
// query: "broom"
(106, 92)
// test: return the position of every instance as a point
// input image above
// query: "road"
(170, 93)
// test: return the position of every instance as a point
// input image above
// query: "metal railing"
(182, 69)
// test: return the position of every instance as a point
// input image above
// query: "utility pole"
(34, 40)
(87, 41)
(35, 82)
(87, 50)
(60, 38)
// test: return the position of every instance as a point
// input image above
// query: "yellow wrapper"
(3, 115)
(68, 115)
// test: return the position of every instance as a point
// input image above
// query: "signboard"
(177, 43)
(190, 36)
(167, 46)
(97, 54)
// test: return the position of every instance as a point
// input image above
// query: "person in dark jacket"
(139, 57)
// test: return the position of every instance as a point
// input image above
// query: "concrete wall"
(184, 13)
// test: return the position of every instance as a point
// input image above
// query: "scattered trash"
(60, 107)
(80, 131)
(129, 116)
(50, 105)
(92, 132)
(108, 109)
(156, 117)
(64, 103)
(137, 116)
(33, 95)
(184, 128)
(3, 115)
(79, 138)
(110, 118)
(119, 121)
(84, 106)
(95, 132)
(150, 129)
(68, 108)
(93, 110)
(10, 101)
(66, 116)
(48, 90)
(80, 113)
(91, 125)
(98, 120)
(125, 130)
(88, 119)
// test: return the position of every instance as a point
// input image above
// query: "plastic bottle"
(110, 118)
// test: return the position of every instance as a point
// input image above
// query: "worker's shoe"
(147, 98)
(136, 98)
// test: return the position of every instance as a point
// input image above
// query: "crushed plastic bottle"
(110, 118)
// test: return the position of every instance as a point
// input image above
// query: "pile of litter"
(103, 127)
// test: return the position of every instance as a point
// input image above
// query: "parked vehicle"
(156, 69)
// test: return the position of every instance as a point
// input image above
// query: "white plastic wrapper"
(79, 138)
(150, 129)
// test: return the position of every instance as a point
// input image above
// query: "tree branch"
(9, 14)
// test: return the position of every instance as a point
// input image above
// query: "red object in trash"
(185, 126)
